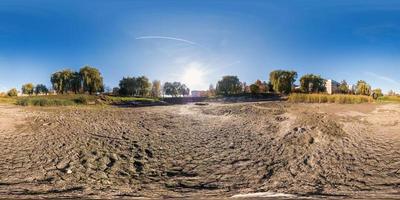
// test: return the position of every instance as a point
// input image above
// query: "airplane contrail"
(166, 38)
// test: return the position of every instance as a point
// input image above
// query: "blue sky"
(199, 41)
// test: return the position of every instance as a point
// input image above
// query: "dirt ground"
(211, 151)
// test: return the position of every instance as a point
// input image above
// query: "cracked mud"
(217, 150)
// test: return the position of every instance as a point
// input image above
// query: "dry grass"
(389, 99)
(326, 98)
(7, 100)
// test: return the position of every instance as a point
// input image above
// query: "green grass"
(389, 99)
(55, 100)
(326, 98)
(114, 99)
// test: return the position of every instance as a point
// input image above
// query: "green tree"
(229, 85)
(61, 81)
(183, 90)
(12, 93)
(344, 87)
(376, 93)
(171, 88)
(143, 86)
(128, 86)
(254, 88)
(75, 82)
(175, 89)
(282, 81)
(28, 89)
(92, 81)
(312, 83)
(363, 88)
(115, 91)
(262, 86)
(41, 89)
(156, 89)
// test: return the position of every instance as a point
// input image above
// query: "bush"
(325, 98)
(12, 93)
(23, 102)
(81, 100)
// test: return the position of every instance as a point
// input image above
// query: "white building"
(199, 93)
(332, 86)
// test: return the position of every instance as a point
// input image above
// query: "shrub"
(23, 102)
(12, 93)
(81, 100)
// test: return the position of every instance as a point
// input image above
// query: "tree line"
(89, 80)
(282, 81)
(141, 86)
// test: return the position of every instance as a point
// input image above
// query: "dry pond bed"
(209, 151)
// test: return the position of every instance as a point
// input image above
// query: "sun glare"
(193, 77)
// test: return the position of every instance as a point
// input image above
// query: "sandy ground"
(214, 151)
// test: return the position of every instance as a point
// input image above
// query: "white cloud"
(166, 38)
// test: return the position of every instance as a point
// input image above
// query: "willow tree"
(282, 81)
(61, 81)
(92, 81)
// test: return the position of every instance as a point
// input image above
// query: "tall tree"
(254, 88)
(156, 89)
(229, 85)
(183, 90)
(28, 89)
(128, 86)
(61, 81)
(41, 89)
(282, 81)
(92, 81)
(344, 87)
(312, 83)
(175, 89)
(363, 88)
(75, 82)
(143, 86)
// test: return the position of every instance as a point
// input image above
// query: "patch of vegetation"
(325, 98)
(7, 100)
(55, 100)
(389, 99)
(119, 100)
